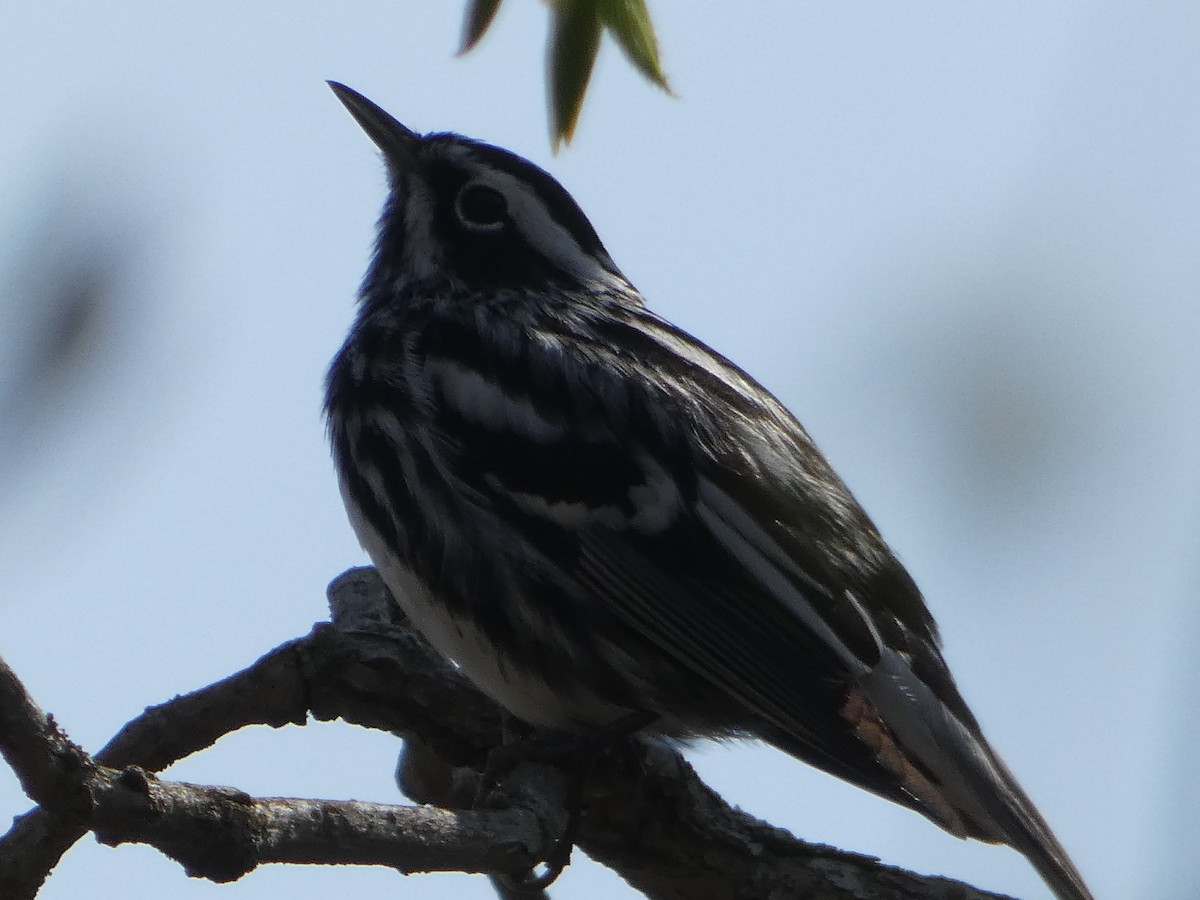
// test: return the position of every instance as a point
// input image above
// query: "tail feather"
(973, 792)
(1027, 832)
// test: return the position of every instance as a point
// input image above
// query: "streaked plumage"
(593, 513)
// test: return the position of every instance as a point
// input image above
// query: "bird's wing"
(677, 495)
(701, 514)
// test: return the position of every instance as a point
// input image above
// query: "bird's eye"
(481, 207)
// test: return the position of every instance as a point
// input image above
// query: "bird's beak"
(399, 144)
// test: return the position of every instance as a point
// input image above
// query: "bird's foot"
(575, 755)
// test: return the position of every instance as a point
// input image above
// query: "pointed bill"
(393, 138)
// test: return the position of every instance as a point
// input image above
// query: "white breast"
(524, 694)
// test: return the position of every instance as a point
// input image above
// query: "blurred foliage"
(63, 301)
(576, 27)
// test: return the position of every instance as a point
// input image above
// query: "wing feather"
(676, 495)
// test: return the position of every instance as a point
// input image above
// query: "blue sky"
(958, 240)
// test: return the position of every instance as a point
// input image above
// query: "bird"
(596, 516)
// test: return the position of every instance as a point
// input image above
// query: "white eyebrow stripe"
(539, 228)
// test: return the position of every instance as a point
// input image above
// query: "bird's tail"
(956, 777)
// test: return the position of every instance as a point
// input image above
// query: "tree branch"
(646, 813)
(222, 833)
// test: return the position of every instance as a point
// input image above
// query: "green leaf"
(629, 22)
(480, 14)
(576, 27)
(575, 31)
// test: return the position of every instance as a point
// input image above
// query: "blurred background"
(959, 240)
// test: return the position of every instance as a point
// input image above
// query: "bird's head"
(471, 215)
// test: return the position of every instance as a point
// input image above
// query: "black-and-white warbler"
(595, 515)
